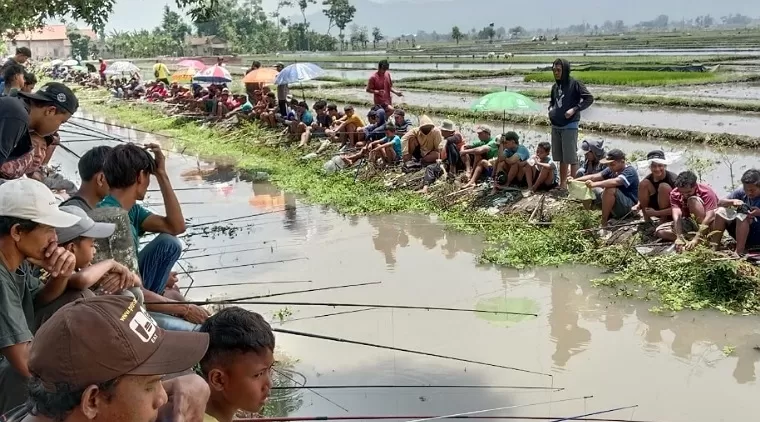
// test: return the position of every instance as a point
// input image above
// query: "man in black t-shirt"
(42, 112)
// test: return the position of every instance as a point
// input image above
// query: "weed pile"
(693, 280)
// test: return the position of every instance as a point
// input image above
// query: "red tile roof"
(52, 33)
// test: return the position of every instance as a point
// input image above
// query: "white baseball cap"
(31, 200)
(86, 227)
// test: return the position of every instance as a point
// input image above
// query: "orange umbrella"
(264, 75)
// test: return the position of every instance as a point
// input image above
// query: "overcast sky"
(442, 14)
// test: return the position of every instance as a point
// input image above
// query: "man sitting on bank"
(746, 200)
(28, 219)
(616, 187)
(480, 149)
(423, 144)
(513, 160)
(693, 208)
(94, 185)
(116, 375)
(654, 190)
(127, 170)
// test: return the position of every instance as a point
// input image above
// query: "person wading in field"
(380, 84)
(568, 98)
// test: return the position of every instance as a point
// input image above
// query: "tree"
(377, 36)
(517, 31)
(501, 32)
(175, 28)
(18, 16)
(456, 34)
(342, 13)
(80, 45)
(363, 36)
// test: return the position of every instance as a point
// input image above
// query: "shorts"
(753, 238)
(565, 145)
(623, 204)
(689, 227)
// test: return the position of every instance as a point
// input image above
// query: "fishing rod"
(96, 130)
(233, 302)
(365, 305)
(67, 149)
(446, 386)
(77, 140)
(265, 242)
(408, 417)
(328, 315)
(250, 283)
(303, 385)
(114, 125)
(279, 261)
(242, 217)
(228, 252)
(496, 409)
(399, 349)
(579, 417)
(208, 187)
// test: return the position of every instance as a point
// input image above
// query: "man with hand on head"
(115, 375)
(28, 219)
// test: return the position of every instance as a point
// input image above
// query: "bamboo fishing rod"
(579, 417)
(292, 292)
(409, 417)
(400, 349)
(249, 283)
(445, 386)
(237, 251)
(329, 315)
(84, 119)
(253, 264)
(244, 301)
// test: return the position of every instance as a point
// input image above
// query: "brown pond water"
(672, 366)
(661, 117)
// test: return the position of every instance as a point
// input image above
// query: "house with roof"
(211, 45)
(47, 42)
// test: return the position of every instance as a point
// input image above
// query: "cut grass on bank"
(693, 280)
(626, 77)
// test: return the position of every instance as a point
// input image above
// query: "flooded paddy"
(365, 74)
(659, 117)
(689, 366)
(395, 67)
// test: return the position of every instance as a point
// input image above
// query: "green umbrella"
(505, 101)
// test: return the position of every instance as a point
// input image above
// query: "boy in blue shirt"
(543, 175)
(388, 149)
(512, 159)
(746, 232)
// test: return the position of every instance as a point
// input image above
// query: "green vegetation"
(630, 77)
(692, 280)
(718, 139)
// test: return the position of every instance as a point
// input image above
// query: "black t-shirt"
(14, 128)
(324, 120)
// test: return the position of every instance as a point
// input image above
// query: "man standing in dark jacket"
(569, 97)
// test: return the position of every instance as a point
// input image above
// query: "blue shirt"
(307, 118)
(137, 215)
(629, 179)
(396, 141)
(521, 152)
(741, 195)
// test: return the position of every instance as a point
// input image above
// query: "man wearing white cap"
(29, 216)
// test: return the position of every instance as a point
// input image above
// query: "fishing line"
(498, 409)
(395, 417)
(365, 305)
(595, 413)
(466, 387)
(316, 289)
(399, 349)
(279, 261)
(328, 315)
(237, 251)
(253, 283)
(308, 388)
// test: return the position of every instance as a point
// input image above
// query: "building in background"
(48, 42)
(206, 46)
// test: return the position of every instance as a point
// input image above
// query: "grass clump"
(629, 77)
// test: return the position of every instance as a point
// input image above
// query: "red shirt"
(704, 192)
(383, 84)
(102, 67)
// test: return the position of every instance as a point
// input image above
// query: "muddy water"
(365, 74)
(672, 366)
(396, 67)
(661, 117)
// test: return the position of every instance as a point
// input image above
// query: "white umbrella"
(121, 68)
(56, 62)
(71, 62)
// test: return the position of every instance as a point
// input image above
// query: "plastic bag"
(579, 190)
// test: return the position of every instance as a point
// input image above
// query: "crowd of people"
(53, 296)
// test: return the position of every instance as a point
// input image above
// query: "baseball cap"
(129, 342)
(29, 199)
(595, 145)
(613, 155)
(55, 93)
(657, 157)
(483, 128)
(86, 227)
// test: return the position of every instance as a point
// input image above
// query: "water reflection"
(569, 338)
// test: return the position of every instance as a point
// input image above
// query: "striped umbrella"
(184, 76)
(214, 75)
(195, 64)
